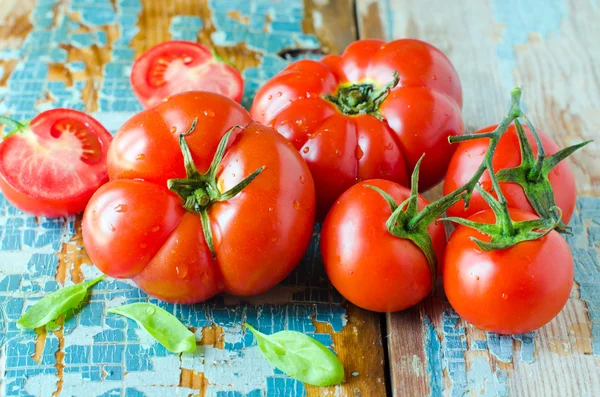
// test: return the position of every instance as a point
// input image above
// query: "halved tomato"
(175, 66)
(52, 166)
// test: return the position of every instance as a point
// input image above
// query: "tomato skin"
(510, 291)
(259, 235)
(49, 172)
(469, 155)
(419, 115)
(368, 265)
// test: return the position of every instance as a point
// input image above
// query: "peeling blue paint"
(433, 359)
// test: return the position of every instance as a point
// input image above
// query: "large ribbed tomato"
(352, 119)
(146, 224)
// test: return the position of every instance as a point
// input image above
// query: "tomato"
(52, 166)
(136, 227)
(174, 67)
(470, 154)
(508, 291)
(366, 263)
(350, 124)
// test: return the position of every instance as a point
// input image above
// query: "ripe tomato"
(470, 154)
(366, 263)
(52, 166)
(338, 114)
(509, 291)
(135, 227)
(175, 66)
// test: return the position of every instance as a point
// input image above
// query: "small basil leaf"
(162, 325)
(53, 305)
(300, 357)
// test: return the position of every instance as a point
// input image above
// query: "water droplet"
(358, 152)
(209, 113)
(143, 245)
(121, 208)
(173, 129)
(476, 277)
(112, 228)
(434, 77)
(150, 310)
(389, 146)
(296, 205)
(308, 94)
(181, 271)
(302, 179)
(279, 94)
(155, 229)
(299, 122)
(351, 271)
(270, 97)
(504, 296)
(140, 157)
(338, 152)
(233, 175)
(220, 168)
(270, 209)
(311, 135)
(305, 150)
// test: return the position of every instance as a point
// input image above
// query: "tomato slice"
(174, 67)
(52, 166)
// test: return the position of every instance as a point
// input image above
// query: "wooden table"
(77, 54)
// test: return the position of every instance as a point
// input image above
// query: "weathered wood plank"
(78, 54)
(549, 49)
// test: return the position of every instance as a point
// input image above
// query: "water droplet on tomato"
(209, 113)
(299, 122)
(181, 271)
(434, 77)
(311, 135)
(302, 179)
(279, 94)
(143, 245)
(389, 146)
(504, 296)
(233, 175)
(173, 129)
(476, 277)
(121, 208)
(270, 97)
(305, 150)
(270, 209)
(140, 157)
(338, 152)
(358, 152)
(296, 205)
(155, 229)
(150, 310)
(112, 228)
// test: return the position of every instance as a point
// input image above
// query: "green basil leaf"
(162, 325)
(300, 357)
(53, 305)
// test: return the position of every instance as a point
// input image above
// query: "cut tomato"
(52, 166)
(174, 67)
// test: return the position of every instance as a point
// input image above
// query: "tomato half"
(366, 263)
(135, 227)
(175, 66)
(470, 154)
(52, 166)
(349, 127)
(509, 291)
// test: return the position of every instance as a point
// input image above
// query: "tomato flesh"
(174, 67)
(54, 165)
(508, 291)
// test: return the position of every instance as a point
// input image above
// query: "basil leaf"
(300, 357)
(53, 305)
(162, 325)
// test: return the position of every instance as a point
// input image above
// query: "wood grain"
(561, 92)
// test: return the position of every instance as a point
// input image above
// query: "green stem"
(14, 125)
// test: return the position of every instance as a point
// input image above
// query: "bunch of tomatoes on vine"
(195, 195)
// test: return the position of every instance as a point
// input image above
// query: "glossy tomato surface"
(341, 149)
(134, 227)
(53, 165)
(470, 154)
(509, 291)
(366, 263)
(177, 66)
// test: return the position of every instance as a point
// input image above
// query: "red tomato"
(52, 166)
(366, 263)
(470, 154)
(509, 291)
(386, 142)
(174, 67)
(135, 227)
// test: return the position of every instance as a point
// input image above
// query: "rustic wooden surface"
(550, 49)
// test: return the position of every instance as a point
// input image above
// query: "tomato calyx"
(532, 173)
(199, 191)
(14, 125)
(362, 98)
(408, 223)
